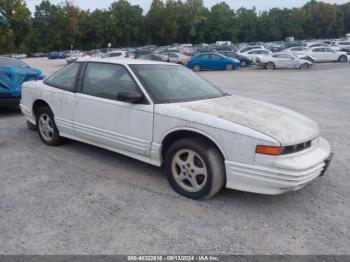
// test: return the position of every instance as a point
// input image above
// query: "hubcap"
(229, 67)
(46, 127)
(197, 68)
(189, 170)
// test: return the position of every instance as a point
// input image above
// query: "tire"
(342, 59)
(244, 63)
(270, 66)
(47, 128)
(196, 68)
(304, 66)
(229, 67)
(181, 171)
(31, 126)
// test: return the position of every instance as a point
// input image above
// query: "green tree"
(221, 23)
(126, 24)
(15, 26)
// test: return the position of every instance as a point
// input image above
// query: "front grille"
(295, 148)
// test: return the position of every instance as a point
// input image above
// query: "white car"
(282, 60)
(342, 44)
(166, 115)
(326, 54)
(298, 50)
(249, 48)
(318, 44)
(255, 53)
(177, 58)
(116, 54)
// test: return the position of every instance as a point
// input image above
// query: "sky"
(260, 5)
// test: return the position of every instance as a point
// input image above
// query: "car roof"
(115, 60)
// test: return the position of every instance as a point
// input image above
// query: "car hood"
(284, 125)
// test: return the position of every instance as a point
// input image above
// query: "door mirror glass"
(129, 96)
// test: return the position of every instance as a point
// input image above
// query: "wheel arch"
(173, 135)
(37, 104)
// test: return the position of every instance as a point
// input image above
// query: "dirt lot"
(79, 199)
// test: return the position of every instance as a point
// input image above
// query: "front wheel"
(47, 129)
(270, 66)
(194, 168)
(196, 68)
(229, 67)
(343, 59)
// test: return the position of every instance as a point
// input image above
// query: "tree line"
(57, 27)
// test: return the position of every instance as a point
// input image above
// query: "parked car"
(177, 58)
(140, 52)
(166, 115)
(56, 55)
(249, 48)
(282, 60)
(253, 54)
(244, 61)
(13, 72)
(326, 54)
(212, 61)
(202, 51)
(154, 57)
(116, 53)
(342, 44)
(299, 50)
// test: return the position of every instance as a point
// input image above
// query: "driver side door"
(99, 118)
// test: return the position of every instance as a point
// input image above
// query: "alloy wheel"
(46, 127)
(189, 170)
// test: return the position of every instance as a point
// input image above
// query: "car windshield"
(4, 61)
(169, 83)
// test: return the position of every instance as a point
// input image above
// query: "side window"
(107, 80)
(215, 57)
(115, 54)
(317, 50)
(204, 56)
(172, 55)
(65, 78)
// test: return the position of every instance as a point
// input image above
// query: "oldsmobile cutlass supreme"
(166, 115)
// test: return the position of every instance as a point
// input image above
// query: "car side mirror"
(129, 96)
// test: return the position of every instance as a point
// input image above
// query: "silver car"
(282, 60)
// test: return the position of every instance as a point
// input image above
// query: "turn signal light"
(268, 150)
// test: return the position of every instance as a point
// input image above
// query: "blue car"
(212, 61)
(13, 72)
(56, 55)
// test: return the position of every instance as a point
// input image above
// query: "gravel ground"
(79, 199)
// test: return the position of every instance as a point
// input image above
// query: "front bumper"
(280, 174)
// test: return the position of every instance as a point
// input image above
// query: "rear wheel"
(270, 66)
(305, 66)
(243, 63)
(229, 67)
(194, 168)
(343, 59)
(197, 68)
(47, 129)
